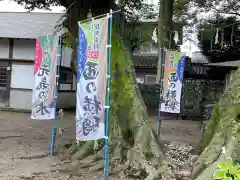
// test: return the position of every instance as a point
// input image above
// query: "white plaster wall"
(146, 48)
(4, 48)
(141, 77)
(22, 81)
(66, 57)
(22, 76)
(65, 87)
(24, 49)
(22, 99)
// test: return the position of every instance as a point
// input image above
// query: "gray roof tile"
(229, 64)
(27, 24)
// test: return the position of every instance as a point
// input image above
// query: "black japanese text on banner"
(91, 79)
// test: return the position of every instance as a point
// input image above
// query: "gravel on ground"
(25, 146)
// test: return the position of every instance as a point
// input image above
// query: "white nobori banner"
(91, 79)
(45, 69)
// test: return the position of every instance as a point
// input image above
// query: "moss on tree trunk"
(134, 147)
(221, 138)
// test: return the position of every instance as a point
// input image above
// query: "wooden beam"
(10, 56)
(22, 61)
(17, 61)
(9, 72)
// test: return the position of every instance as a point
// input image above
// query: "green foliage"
(227, 171)
(136, 34)
(229, 7)
(180, 11)
(216, 52)
(222, 131)
(179, 6)
(122, 96)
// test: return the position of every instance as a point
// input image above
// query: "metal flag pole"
(59, 59)
(109, 46)
(162, 64)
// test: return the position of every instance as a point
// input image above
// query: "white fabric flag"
(45, 69)
(91, 79)
(172, 82)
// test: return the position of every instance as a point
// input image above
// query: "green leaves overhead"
(227, 171)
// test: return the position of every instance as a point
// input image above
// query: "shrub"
(227, 171)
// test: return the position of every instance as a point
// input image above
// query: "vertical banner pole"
(160, 90)
(109, 46)
(59, 59)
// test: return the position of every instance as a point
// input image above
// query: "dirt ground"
(25, 144)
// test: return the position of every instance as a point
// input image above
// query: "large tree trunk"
(221, 138)
(134, 146)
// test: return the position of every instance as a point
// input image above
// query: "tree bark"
(164, 25)
(134, 146)
(221, 138)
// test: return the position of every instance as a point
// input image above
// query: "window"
(150, 79)
(140, 80)
(3, 77)
(66, 75)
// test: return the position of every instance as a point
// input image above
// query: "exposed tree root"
(84, 151)
(134, 148)
(145, 160)
(221, 138)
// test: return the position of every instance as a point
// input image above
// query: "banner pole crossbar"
(97, 17)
